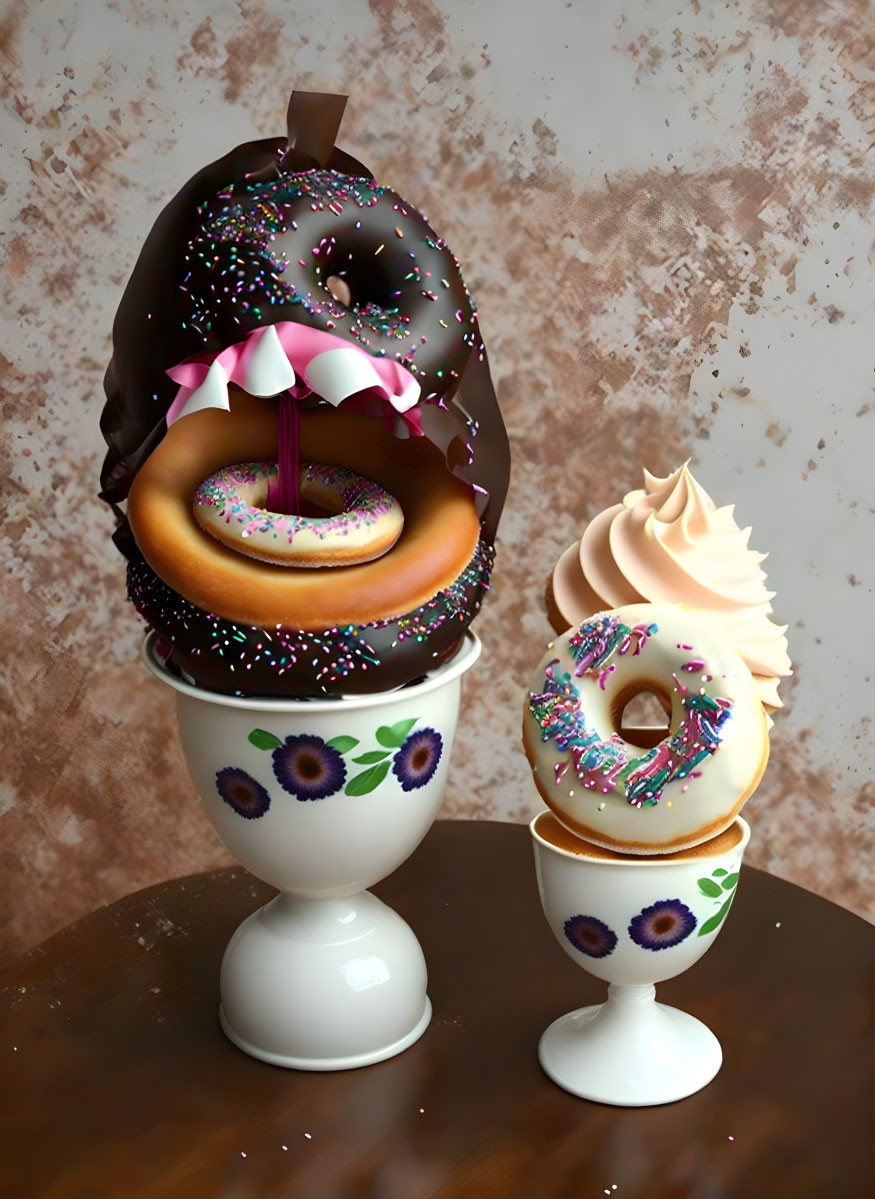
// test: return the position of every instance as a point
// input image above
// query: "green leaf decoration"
(718, 872)
(716, 920)
(362, 783)
(262, 739)
(708, 887)
(343, 744)
(392, 736)
(730, 881)
(373, 755)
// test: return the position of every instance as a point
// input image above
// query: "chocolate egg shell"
(296, 230)
(178, 303)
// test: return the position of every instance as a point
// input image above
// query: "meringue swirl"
(670, 543)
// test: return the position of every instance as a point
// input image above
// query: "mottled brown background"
(664, 212)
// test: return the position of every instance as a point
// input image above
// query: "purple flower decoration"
(663, 924)
(308, 768)
(239, 789)
(590, 935)
(417, 759)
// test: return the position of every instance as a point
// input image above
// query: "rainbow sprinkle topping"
(235, 492)
(606, 765)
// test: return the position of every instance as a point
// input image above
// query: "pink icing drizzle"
(286, 496)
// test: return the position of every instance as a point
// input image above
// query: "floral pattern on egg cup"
(591, 936)
(308, 767)
(241, 792)
(720, 887)
(417, 759)
(662, 925)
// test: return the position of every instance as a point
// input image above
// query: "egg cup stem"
(630, 1051)
(340, 983)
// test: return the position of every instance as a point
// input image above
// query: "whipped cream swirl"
(670, 543)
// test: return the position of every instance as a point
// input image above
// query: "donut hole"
(641, 713)
(339, 290)
(371, 273)
(372, 292)
(314, 510)
(312, 507)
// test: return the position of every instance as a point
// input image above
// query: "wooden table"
(117, 1080)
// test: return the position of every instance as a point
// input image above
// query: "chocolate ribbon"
(313, 121)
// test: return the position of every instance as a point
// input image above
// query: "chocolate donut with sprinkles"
(287, 309)
(337, 253)
(285, 662)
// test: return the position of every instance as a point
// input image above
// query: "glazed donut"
(440, 535)
(687, 788)
(366, 520)
(305, 242)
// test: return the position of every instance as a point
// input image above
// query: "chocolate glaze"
(244, 660)
(273, 245)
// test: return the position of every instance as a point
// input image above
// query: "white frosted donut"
(366, 520)
(681, 791)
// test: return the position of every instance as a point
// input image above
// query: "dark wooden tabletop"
(117, 1080)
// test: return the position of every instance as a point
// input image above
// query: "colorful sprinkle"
(606, 765)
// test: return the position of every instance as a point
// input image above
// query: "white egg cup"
(321, 799)
(634, 923)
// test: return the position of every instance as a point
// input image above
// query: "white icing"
(212, 393)
(268, 370)
(336, 374)
(690, 809)
(277, 358)
(231, 506)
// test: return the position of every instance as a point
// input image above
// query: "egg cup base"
(630, 1051)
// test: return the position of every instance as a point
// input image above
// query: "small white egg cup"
(321, 799)
(633, 922)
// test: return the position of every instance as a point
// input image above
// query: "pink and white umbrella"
(294, 358)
